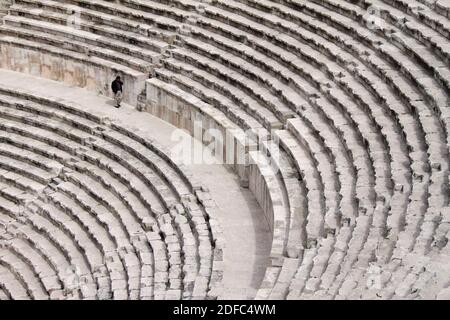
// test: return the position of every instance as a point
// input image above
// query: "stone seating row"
(26, 276)
(330, 51)
(35, 259)
(102, 23)
(86, 224)
(67, 66)
(80, 74)
(118, 10)
(228, 59)
(158, 8)
(295, 238)
(393, 55)
(45, 234)
(423, 129)
(440, 6)
(48, 33)
(317, 24)
(11, 286)
(123, 237)
(100, 34)
(268, 186)
(427, 242)
(415, 39)
(209, 96)
(266, 182)
(198, 53)
(154, 81)
(430, 18)
(307, 169)
(381, 13)
(351, 45)
(168, 234)
(265, 116)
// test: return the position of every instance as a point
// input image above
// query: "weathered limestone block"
(173, 295)
(171, 104)
(269, 281)
(73, 70)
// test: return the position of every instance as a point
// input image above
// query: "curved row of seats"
(74, 38)
(360, 108)
(89, 209)
(376, 104)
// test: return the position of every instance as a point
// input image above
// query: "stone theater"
(264, 149)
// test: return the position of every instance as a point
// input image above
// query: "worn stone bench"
(67, 66)
(11, 287)
(440, 6)
(81, 193)
(362, 119)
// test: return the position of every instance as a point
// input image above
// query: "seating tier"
(351, 101)
(117, 211)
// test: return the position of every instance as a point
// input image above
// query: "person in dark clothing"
(117, 88)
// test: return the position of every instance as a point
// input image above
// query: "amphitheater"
(332, 181)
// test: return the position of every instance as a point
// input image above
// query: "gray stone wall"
(188, 112)
(79, 71)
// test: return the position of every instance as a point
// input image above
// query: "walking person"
(117, 88)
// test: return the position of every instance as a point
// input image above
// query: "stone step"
(11, 286)
(101, 209)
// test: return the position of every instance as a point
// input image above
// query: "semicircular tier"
(89, 209)
(351, 102)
